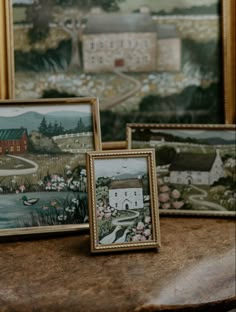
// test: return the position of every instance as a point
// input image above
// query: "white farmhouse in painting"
(126, 194)
(130, 42)
(197, 169)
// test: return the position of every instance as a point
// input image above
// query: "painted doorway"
(119, 62)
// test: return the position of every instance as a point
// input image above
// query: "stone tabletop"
(195, 265)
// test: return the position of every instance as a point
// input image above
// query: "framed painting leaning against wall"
(147, 61)
(195, 166)
(43, 178)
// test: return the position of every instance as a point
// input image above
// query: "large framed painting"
(43, 177)
(123, 208)
(196, 166)
(147, 61)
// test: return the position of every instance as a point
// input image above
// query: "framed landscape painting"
(196, 166)
(147, 61)
(123, 206)
(43, 178)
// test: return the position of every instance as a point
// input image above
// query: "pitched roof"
(118, 23)
(128, 183)
(192, 162)
(166, 31)
(11, 134)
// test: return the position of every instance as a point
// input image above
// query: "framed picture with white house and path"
(123, 206)
(43, 186)
(196, 166)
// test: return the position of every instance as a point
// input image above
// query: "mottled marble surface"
(196, 264)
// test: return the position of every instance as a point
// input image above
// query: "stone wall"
(195, 29)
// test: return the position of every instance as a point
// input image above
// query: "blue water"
(12, 207)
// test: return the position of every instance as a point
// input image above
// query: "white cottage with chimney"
(197, 169)
(126, 194)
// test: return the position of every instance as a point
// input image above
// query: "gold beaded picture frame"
(123, 205)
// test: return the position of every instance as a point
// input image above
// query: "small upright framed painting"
(195, 166)
(43, 165)
(123, 207)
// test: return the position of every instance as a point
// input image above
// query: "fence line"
(72, 135)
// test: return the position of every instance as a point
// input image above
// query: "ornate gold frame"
(132, 127)
(149, 154)
(229, 52)
(97, 146)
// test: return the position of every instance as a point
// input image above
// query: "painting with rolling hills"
(147, 61)
(43, 179)
(196, 166)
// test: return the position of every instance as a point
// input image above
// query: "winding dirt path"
(199, 200)
(112, 102)
(25, 171)
(119, 221)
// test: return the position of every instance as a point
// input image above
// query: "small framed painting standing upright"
(43, 184)
(123, 205)
(196, 166)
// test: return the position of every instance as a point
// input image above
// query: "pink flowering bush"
(177, 204)
(164, 197)
(169, 198)
(141, 230)
(175, 194)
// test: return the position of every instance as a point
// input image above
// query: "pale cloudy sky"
(117, 166)
(167, 5)
(11, 111)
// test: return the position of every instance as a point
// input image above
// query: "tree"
(69, 15)
(40, 15)
(50, 130)
(80, 126)
(43, 126)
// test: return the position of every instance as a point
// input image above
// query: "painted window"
(146, 43)
(11, 148)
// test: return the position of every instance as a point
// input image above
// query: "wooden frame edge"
(229, 59)
(6, 51)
